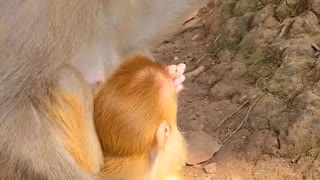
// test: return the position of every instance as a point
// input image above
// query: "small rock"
(295, 159)
(195, 37)
(176, 58)
(210, 168)
(200, 147)
(195, 72)
(200, 126)
(189, 101)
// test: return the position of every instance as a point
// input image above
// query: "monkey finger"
(179, 80)
(171, 69)
(180, 69)
(179, 88)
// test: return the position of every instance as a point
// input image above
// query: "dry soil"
(253, 67)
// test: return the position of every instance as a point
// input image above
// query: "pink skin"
(180, 78)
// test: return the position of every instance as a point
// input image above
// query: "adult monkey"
(50, 50)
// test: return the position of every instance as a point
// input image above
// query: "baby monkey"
(136, 119)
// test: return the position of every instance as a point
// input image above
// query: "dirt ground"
(253, 85)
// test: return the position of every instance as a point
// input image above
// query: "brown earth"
(254, 65)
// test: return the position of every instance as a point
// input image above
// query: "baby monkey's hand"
(176, 71)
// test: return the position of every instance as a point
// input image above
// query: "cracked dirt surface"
(242, 52)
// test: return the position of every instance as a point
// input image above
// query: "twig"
(234, 122)
(315, 46)
(276, 44)
(199, 60)
(234, 112)
(188, 20)
(286, 25)
(189, 29)
(243, 121)
(260, 79)
(217, 38)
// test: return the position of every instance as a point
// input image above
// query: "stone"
(210, 168)
(176, 58)
(200, 147)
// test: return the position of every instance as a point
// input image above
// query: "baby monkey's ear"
(163, 133)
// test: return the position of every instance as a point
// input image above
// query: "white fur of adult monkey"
(46, 125)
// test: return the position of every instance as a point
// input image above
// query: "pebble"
(200, 147)
(176, 58)
(210, 168)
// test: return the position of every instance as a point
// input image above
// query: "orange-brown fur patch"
(130, 105)
(70, 114)
(129, 108)
(133, 168)
(171, 160)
